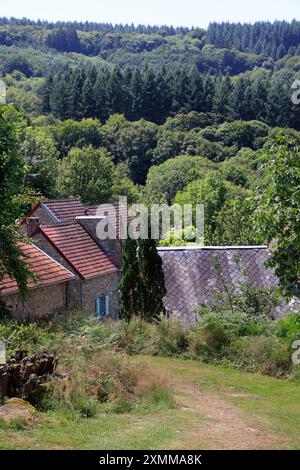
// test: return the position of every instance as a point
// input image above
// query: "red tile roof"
(79, 250)
(45, 268)
(65, 209)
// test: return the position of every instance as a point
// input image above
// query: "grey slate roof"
(192, 279)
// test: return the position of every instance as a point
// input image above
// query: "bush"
(288, 327)
(209, 340)
(171, 339)
(261, 353)
(29, 337)
(136, 336)
(238, 323)
(255, 301)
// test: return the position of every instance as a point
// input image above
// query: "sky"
(170, 12)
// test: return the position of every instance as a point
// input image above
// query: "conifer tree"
(129, 284)
(142, 286)
(152, 285)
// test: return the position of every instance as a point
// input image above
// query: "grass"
(118, 399)
(270, 405)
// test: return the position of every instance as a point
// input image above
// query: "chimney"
(31, 224)
(109, 245)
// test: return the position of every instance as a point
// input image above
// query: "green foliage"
(262, 353)
(12, 172)
(159, 395)
(210, 338)
(245, 297)
(131, 143)
(142, 286)
(172, 339)
(152, 282)
(234, 221)
(30, 337)
(129, 284)
(288, 328)
(211, 192)
(40, 154)
(180, 237)
(174, 174)
(277, 214)
(86, 173)
(69, 133)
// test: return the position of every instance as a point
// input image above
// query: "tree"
(234, 224)
(142, 285)
(87, 173)
(152, 283)
(12, 174)
(18, 63)
(123, 186)
(278, 213)
(70, 133)
(212, 191)
(222, 102)
(64, 40)
(132, 143)
(174, 174)
(40, 154)
(129, 284)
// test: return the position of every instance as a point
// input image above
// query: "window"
(102, 306)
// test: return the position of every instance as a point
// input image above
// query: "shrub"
(171, 339)
(261, 353)
(238, 323)
(136, 336)
(29, 337)
(288, 327)
(122, 405)
(256, 301)
(210, 338)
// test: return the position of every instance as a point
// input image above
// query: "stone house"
(65, 231)
(94, 287)
(48, 292)
(53, 211)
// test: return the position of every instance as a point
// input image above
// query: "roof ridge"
(59, 224)
(63, 200)
(212, 248)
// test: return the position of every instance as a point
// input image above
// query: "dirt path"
(223, 425)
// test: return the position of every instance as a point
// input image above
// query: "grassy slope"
(254, 411)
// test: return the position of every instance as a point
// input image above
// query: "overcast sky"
(175, 12)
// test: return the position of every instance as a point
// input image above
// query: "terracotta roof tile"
(65, 209)
(78, 249)
(47, 270)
